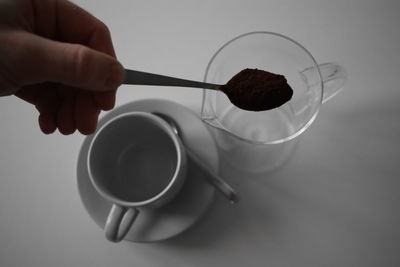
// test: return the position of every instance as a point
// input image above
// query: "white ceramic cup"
(135, 160)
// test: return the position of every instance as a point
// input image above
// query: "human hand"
(59, 58)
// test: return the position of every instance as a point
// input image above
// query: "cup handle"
(119, 221)
(333, 76)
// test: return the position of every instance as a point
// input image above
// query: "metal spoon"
(212, 177)
(145, 78)
(250, 89)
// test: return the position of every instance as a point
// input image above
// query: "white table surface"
(336, 203)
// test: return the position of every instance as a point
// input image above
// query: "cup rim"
(254, 142)
(179, 152)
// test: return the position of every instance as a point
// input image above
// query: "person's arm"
(59, 58)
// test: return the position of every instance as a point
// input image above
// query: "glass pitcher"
(263, 137)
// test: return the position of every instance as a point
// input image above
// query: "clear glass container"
(312, 83)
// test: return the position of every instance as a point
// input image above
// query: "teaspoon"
(213, 178)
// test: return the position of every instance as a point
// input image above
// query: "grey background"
(336, 203)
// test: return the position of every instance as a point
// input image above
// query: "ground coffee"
(257, 90)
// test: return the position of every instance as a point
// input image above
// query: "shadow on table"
(224, 221)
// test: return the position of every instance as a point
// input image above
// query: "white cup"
(135, 160)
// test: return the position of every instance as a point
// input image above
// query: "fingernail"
(115, 77)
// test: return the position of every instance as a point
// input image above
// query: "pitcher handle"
(333, 76)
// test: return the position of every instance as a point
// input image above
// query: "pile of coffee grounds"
(257, 90)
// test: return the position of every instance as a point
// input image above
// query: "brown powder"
(257, 90)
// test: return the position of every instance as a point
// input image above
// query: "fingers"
(62, 20)
(47, 123)
(86, 113)
(105, 100)
(64, 108)
(47, 105)
(30, 93)
(79, 66)
(66, 116)
(92, 32)
(33, 59)
(83, 58)
(46, 101)
(76, 110)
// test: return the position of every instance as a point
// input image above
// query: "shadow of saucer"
(210, 228)
(224, 222)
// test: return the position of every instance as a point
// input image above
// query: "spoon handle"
(145, 78)
(214, 179)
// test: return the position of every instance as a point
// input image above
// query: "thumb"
(44, 60)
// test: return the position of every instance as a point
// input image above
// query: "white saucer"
(196, 196)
